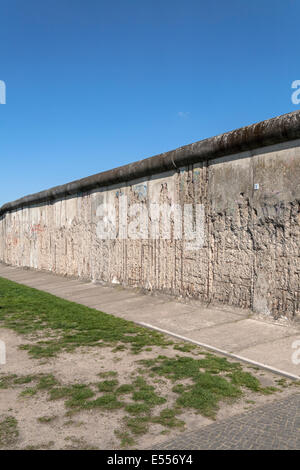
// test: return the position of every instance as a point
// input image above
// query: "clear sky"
(95, 84)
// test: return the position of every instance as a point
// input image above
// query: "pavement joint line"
(276, 339)
(221, 351)
(257, 344)
(215, 325)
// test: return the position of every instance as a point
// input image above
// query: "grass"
(282, 382)
(29, 392)
(167, 417)
(107, 385)
(240, 378)
(8, 431)
(124, 389)
(55, 325)
(24, 379)
(205, 394)
(109, 373)
(137, 408)
(43, 382)
(185, 347)
(7, 380)
(108, 401)
(29, 311)
(46, 382)
(79, 444)
(40, 446)
(46, 419)
(146, 393)
(126, 439)
(213, 379)
(138, 425)
(76, 395)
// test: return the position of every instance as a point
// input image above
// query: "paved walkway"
(270, 427)
(225, 329)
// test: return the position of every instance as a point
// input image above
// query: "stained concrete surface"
(240, 247)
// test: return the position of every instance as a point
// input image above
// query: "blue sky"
(95, 84)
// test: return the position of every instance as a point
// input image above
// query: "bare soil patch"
(76, 378)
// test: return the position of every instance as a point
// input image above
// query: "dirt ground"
(46, 424)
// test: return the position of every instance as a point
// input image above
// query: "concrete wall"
(250, 256)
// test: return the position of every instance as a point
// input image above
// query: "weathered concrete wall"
(250, 256)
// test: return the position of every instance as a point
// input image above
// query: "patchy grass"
(79, 444)
(107, 385)
(29, 392)
(76, 395)
(167, 417)
(41, 446)
(245, 379)
(137, 408)
(214, 379)
(43, 382)
(124, 389)
(7, 380)
(205, 395)
(182, 367)
(146, 393)
(46, 419)
(282, 383)
(46, 382)
(24, 379)
(185, 347)
(109, 373)
(126, 439)
(29, 311)
(200, 380)
(138, 425)
(108, 401)
(8, 431)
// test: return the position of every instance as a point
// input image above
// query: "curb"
(221, 351)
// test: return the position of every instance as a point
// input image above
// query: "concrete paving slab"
(241, 334)
(118, 305)
(279, 354)
(8, 269)
(39, 284)
(185, 318)
(82, 292)
(32, 277)
(52, 286)
(164, 310)
(66, 288)
(19, 277)
(126, 306)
